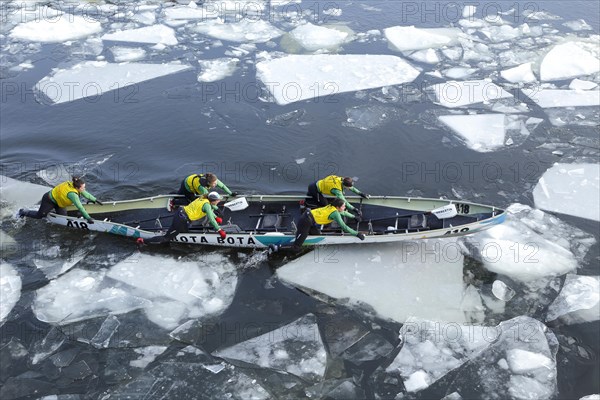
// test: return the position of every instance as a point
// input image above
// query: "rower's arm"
(88, 196)
(355, 190)
(340, 195)
(208, 209)
(338, 218)
(224, 187)
(77, 203)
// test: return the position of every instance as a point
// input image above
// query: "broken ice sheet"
(15, 194)
(58, 28)
(404, 38)
(10, 290)
(251, 31)
(454, 94)
(217, 69)
(313, 38)
(149, 34)
(570, 60)
(102, 338)
(295, 348)
(368, 117)
(578, 300)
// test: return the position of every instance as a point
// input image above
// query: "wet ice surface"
(572, 189)
(15, 194)
(56, 27)
(10, 290)
(578, 300)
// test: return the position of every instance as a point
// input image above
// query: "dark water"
(152, 135)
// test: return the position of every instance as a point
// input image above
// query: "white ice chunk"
(405, 38)
(300, 77)
(246, 30)
(10, 290)
(403, 281)
(578, 25)
(124, 54)
(217, 69)
(59, 263)
(568, 60)
(191, 12)
(148, 354)
(15, 194)
(501, 291)
(61, 28)
(578, 84)
(522, 73)
(526, 388)
(102, 338)
(92, 79)
(48, 345)
(522, 361)
(148, 34)
(314, 38)
(428, 56)
(578, 301)
(453, 94)
(459, 72)
(469, 11)
(296, 348)
(481, 132)
(550, 98)
(591, 397)
(572, 189)
(418, 380)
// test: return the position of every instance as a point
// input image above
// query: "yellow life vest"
(194, 209)
(60, 192)
(330, 182)
(194, 183)
(321, 215)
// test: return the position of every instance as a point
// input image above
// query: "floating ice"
(243, 31)
(62, 261)
(300, 77)
(485, 132)
(123, 54)
(453, 94)
(459, 72)
(92, 79)
(148, 34)
(469, 11)
(314, 38)
(405, 38)
(578, 25)
(7, 243)
(591, 397)
(428, 56)
(368, 117)
(578, 84)
(501, 291)
(60, 28)
(578, 301)
(191, 12)
(295, 348)
(16, 194)
(549, 98)
(422, 279)
(529, 245)
(522, 361)
(432, 349)
(10, 290)
(572, 189)
(568, 60)
(149, 354)
(214, 70)
(102, 338)
(522, 73)
(43, 349)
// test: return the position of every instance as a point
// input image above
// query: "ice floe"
(299, 77)
(246, 30)
(572, 189)
(92, 79)
(568, 60)
(579, 84)
(296, 348)
(578, 25)
(127, 54)
(522, 73)
(486, 132)
(149, 34)
(550, 98)
(422, 279)
(214, 70)
(578, 300)
(191, 12)
(313, 38)
(168, 290)
(404, 38)
(454, 94)
(59, 28)
(16, 194)
(10, 290)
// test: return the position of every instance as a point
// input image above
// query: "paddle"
(446, 211)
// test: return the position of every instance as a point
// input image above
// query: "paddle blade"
(238, 204)
(447, 211)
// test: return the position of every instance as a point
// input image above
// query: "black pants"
(46, 206)
(306, 226)
(189, 196)
(179, 225)
(314, 197)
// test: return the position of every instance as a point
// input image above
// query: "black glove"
(358, 213)
(90, 221)
(234, 194)
(364, 195)
(360, 236)
(99, 202)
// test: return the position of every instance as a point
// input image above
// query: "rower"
(196, 210)
(199, 185)
(333, 185)
(62, 196)
(319, 216)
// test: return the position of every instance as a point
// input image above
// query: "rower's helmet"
(347, 181)
(212, 196)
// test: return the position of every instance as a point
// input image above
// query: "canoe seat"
(272, 222)
(417, 221)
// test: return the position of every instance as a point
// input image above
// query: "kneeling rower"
(196, 210)
(309, 221)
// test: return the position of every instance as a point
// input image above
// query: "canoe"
(271, 219)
